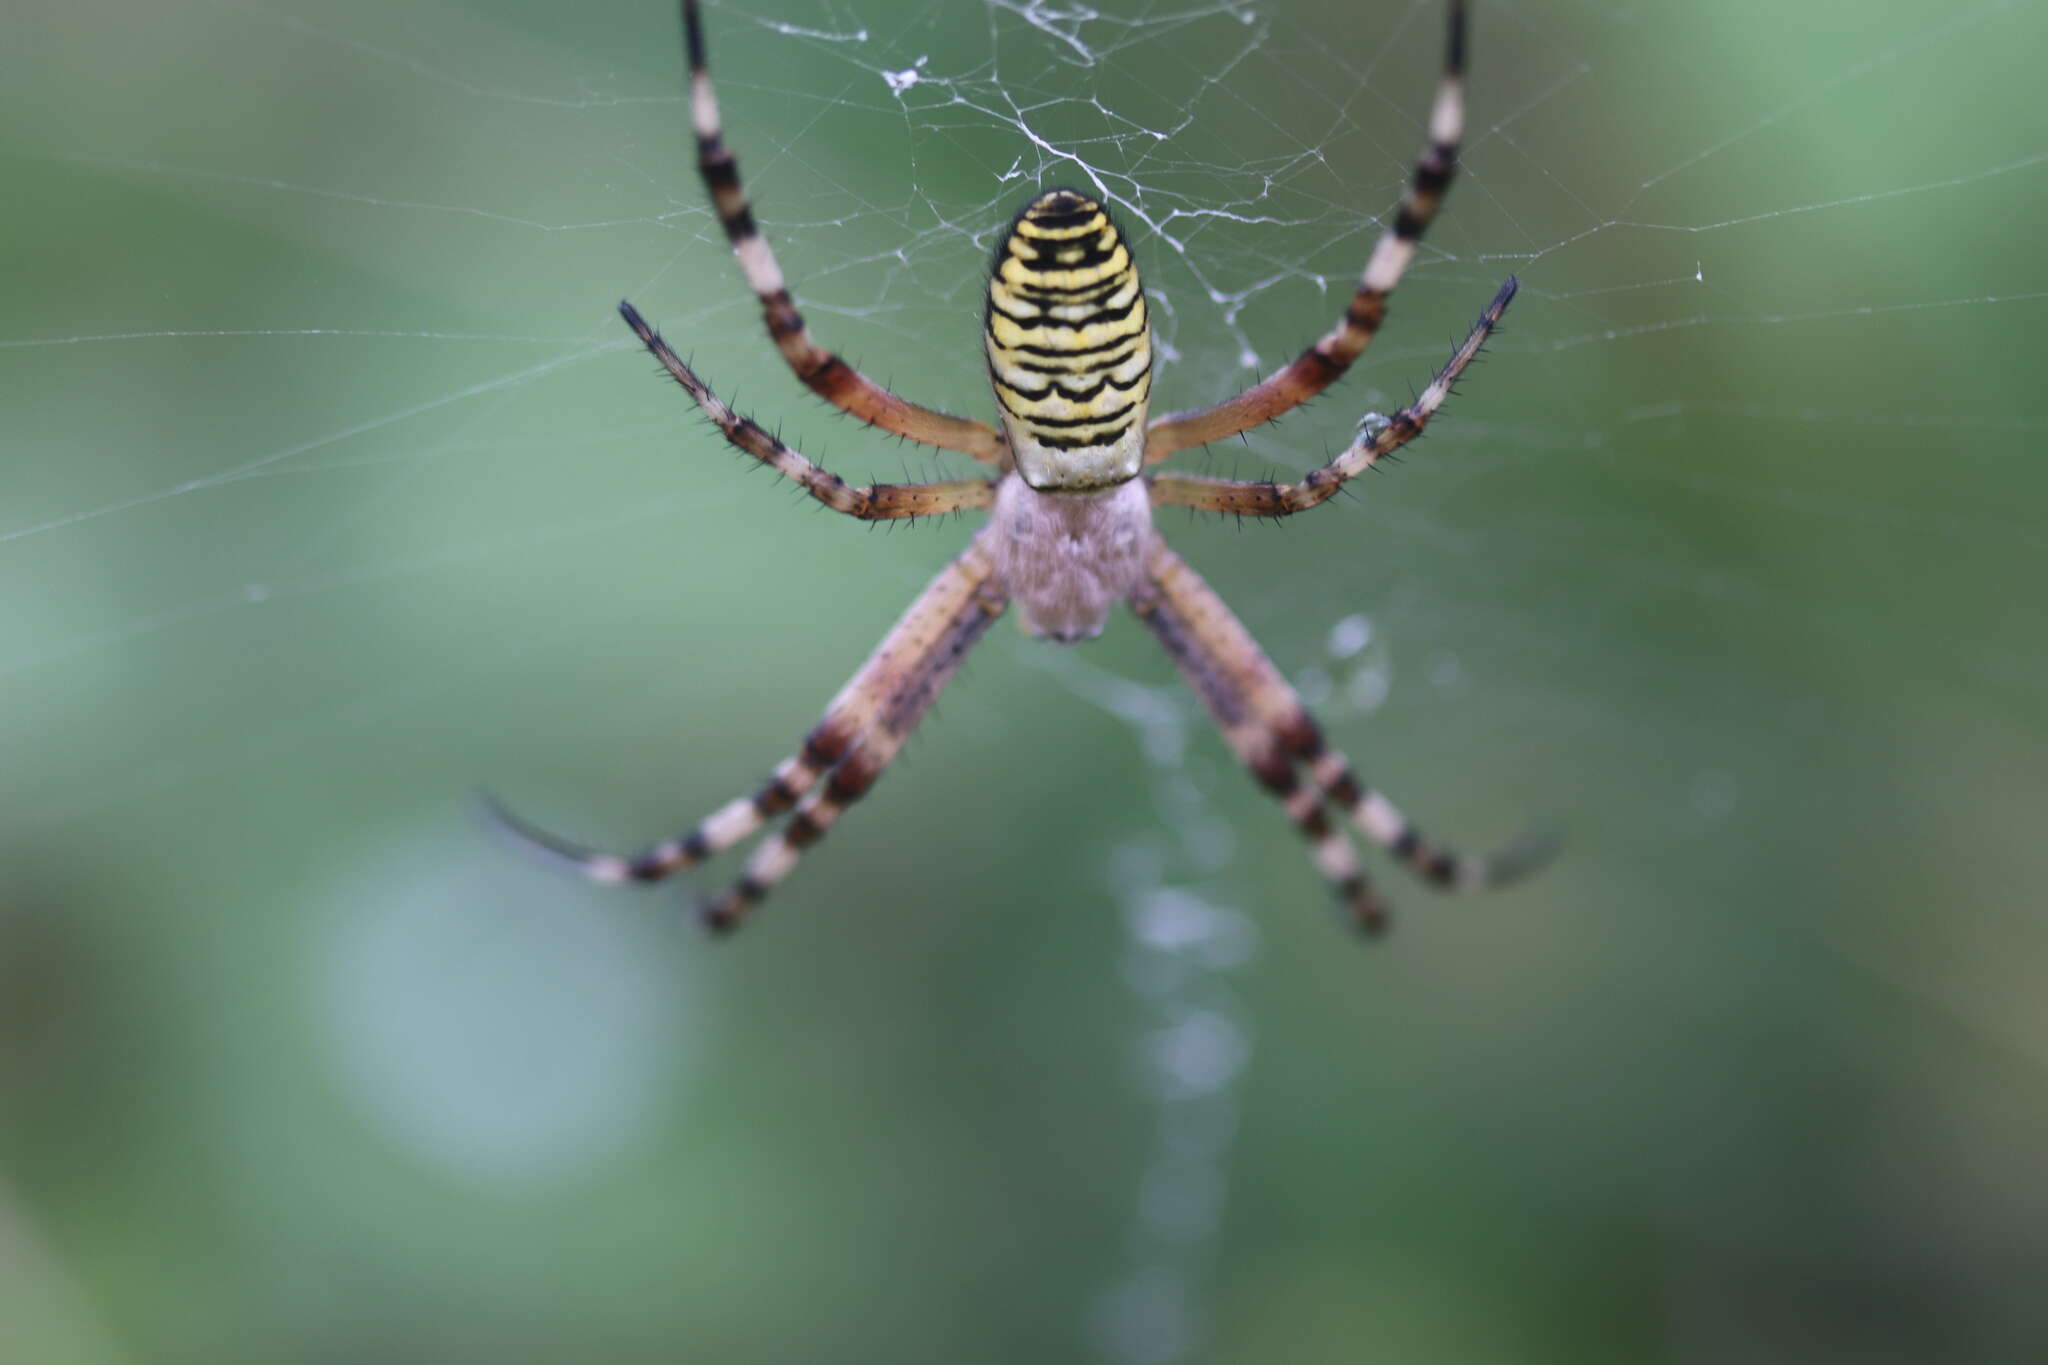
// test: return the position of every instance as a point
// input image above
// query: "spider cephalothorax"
(1070, 529)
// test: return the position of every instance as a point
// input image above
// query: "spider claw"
(532, 840)
(1369, 914)
(1527, 853)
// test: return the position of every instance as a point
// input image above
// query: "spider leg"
(1278, 710)
(820, 810)
(903, 654)
(1322, 364)
(1245, 499)
(1257, 748)
(827, 375)
(871, 502)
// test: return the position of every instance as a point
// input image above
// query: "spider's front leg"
(1322, 364)
(1238, 497)
(869, 502)
(831, 378)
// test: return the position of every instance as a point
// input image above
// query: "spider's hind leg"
(1276, 718)
(901, 663)
(1384, 824)
(1258, 749)
(860, 769)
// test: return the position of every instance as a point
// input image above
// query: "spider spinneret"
(1068, 343)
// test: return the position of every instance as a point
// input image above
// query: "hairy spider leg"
(831, 378)
(1276, 708)
(904, 654)
(1322, 364)
(1261, 754)
(778, 855)
(868, 502)
(1243, 498)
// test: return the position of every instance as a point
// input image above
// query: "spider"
(1069, 531)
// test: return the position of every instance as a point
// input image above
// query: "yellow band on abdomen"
(1068, 337)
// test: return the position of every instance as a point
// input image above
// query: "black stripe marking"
(848, 784)
(1102, 315)
(650, 867)
(1081, 395)
(1039, 293)
(1034, 420)
(1047, 261)
(1106, 363)
(1074, 217)
(1366, 311)
(719, 169)
(1045, 322)
(1082, 442)
(693, 37)
(1031, 319)
(825, 745)
(1061, 352)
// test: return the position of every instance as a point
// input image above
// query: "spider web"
(336, 489)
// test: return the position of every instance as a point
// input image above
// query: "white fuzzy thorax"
(1067, 558)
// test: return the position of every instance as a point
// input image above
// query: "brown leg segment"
(1235, 497)
(871, 502)
(1255, 747)
(904, 655)
(818, 812)
(827, 375)
(1316, 368)
(1278, 711)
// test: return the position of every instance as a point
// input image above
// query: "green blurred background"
(334, 490)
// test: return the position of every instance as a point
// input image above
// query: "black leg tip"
(1526, 856)
(693, 35)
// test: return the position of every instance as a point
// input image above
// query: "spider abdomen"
(1067, 558)
(1069, 345)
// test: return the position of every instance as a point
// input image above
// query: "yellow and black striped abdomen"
(1069, 345)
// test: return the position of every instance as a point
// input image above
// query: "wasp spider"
(1069, 531)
